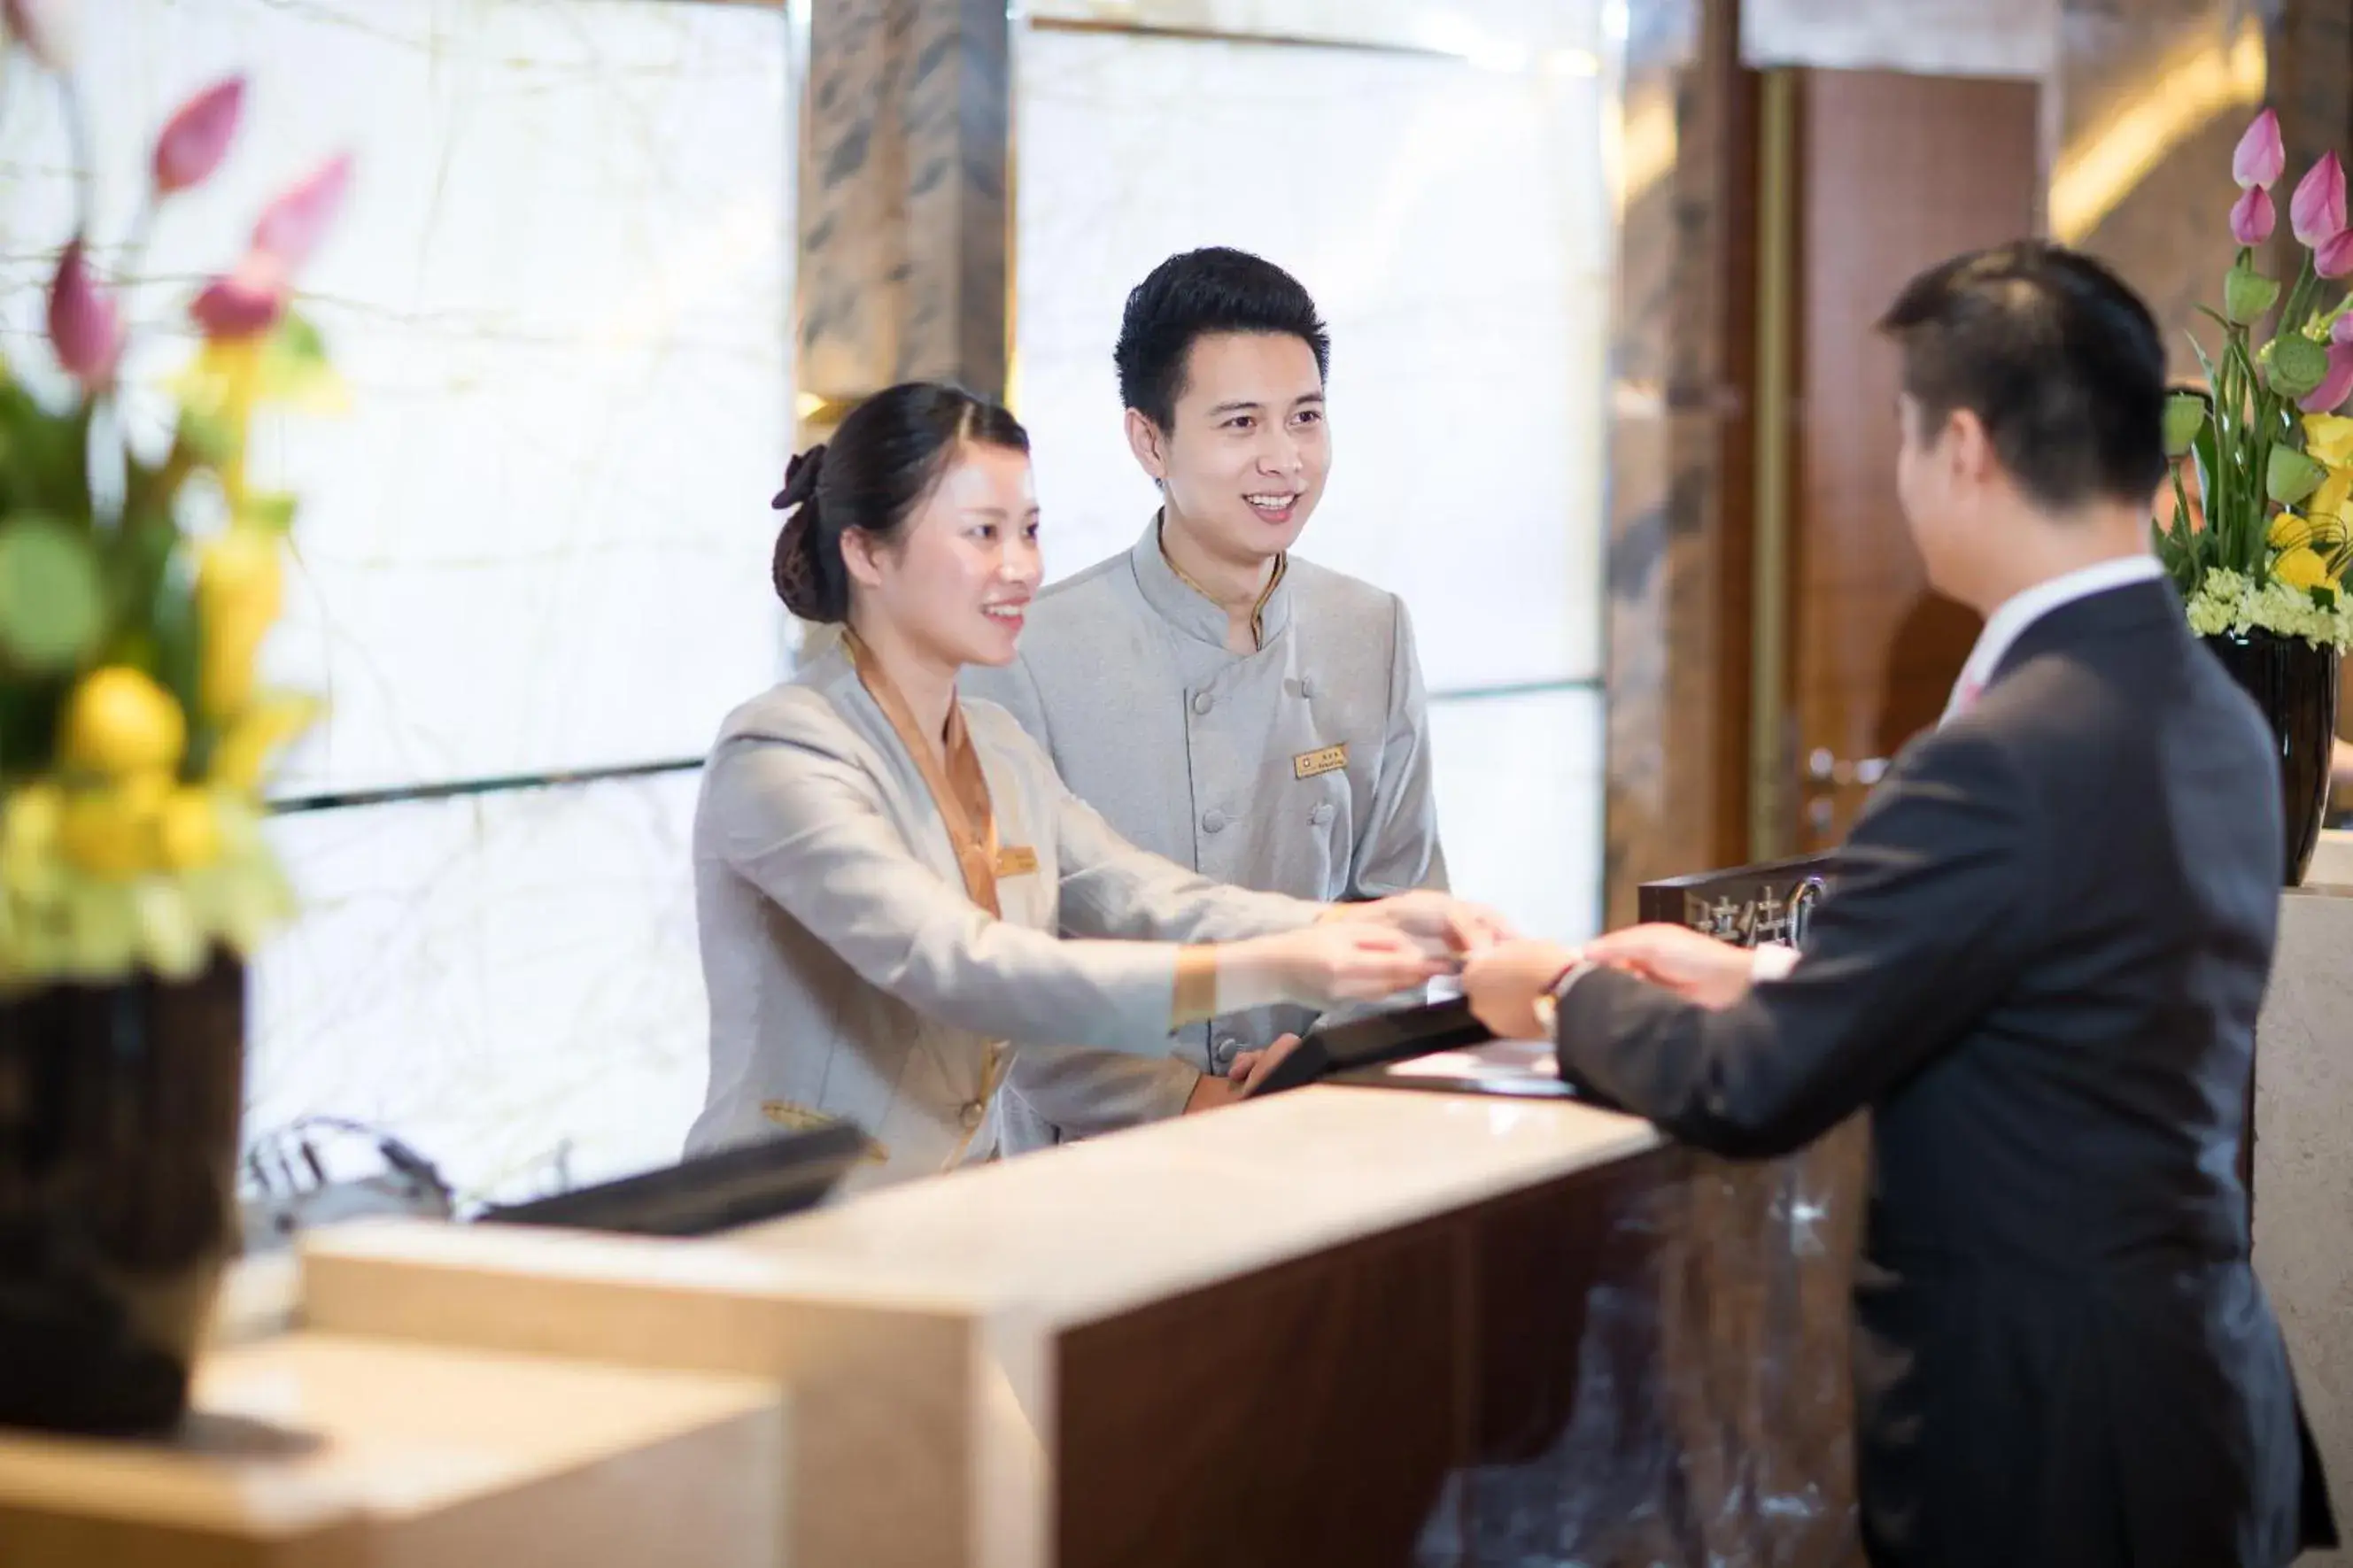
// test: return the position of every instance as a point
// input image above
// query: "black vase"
(2294, 684)
(119, 1109)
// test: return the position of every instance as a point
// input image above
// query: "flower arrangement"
(138, 578)
(2274, 458)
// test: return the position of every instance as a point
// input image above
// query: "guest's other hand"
(1696, 968)
(1251, 1066)
(1504, 981)
(1446, 927)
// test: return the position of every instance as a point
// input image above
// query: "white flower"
(2227, 601)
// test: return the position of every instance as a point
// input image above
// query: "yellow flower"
(2334, 491)
(2288, 530)
(119, 722)
(2328, 439)
(111, 830)
(240, 586)
(2301, 567)
(255, 736)
(188, 829)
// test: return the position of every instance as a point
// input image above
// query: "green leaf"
(294, 368)
(52, 601)
(208, 434)
(271, 510)
(46, 467)
(2289, 476)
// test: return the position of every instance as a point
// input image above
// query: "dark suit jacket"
(2038, 967)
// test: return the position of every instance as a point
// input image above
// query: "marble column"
(904, 205)
(1676, 569)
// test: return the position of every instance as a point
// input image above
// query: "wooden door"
(1894, 173)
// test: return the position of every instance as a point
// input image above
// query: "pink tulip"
(249, 301)
(2260, 158)
(2340, 330)
(42, 27)
(2251, 215)
(2336, 387)
(196, 139)
(2334, 258)
(292, 227)
(2316, 211)
(83, 325)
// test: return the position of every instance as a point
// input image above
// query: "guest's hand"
(1251, 1066)
(1213, 1091)
(1503, 982)
(1696, 968)
(1446, 927)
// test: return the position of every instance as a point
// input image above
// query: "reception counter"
(2302, 1176)
(1341, 1325)
(1274, 1333)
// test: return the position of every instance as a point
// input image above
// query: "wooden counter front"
(1270, 1334)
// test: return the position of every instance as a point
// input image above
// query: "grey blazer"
(1303, 768)
(849, 972)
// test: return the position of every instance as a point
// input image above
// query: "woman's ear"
(860, 557)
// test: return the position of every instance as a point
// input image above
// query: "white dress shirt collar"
(2022, 610)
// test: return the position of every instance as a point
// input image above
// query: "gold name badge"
(1016, 860)
(803, 1119)
(1307, 764)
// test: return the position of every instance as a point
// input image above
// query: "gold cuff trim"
(1196, 996)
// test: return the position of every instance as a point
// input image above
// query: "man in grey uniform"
(1248, 714)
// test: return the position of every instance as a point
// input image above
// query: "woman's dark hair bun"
(800, 478)
(798, 569)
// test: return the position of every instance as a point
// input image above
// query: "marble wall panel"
(538, 540)
(1452, 222)
(507, 982)
(1518, 780)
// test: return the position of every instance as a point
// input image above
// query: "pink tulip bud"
(2336, 387)
(2334, 258)
(292, 227)
(2316, 211)
(249, 301)
(196, 139)
(83, 325)
(2251, 215)
(2260, 158)
(43, 27)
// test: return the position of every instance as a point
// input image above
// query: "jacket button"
(1203, 702)
(1213, 821)
(1226, 1049)
(972, 1113)
(1321, 815)
(1306, 685)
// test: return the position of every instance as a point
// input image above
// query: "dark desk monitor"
(1370, 1041)
(711, 1191)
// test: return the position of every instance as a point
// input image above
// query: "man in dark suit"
(2039, 968)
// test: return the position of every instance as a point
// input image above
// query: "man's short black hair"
(2060, 361)
(1192, 296)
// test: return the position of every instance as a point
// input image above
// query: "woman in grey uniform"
(881, 872)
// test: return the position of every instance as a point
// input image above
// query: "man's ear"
(1149, 442)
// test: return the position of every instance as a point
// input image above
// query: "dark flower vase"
(118, 1108)
(2294, 684)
